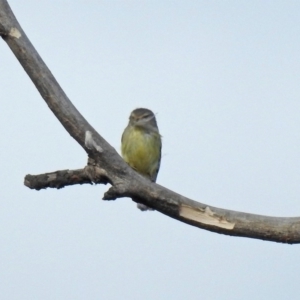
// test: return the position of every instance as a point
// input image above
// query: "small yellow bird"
(141, 145)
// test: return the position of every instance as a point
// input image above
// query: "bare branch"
(106, 165)
(58, 179)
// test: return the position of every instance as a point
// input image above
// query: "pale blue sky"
(223, 78)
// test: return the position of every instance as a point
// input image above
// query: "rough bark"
(106, 166)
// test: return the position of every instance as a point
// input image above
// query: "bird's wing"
(158, 164)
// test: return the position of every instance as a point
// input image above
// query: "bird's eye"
(146, 116)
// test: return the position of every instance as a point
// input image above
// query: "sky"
(223, 80)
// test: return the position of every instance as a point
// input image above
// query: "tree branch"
(106, 166)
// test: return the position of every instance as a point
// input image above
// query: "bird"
(141, 145)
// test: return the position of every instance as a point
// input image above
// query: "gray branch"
(106, 166)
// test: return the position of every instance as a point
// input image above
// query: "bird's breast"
(141, 150)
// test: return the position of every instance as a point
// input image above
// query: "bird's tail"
(143, 207)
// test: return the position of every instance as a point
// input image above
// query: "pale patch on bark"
(90, 142)
(205, 216)
(14, 32)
